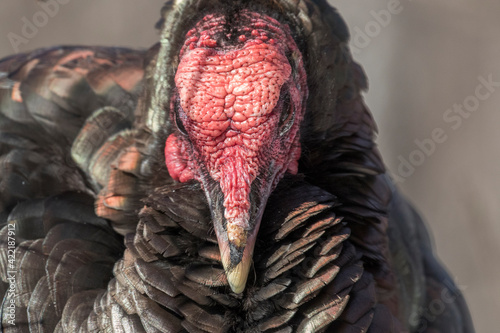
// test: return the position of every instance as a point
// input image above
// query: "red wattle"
(175, 159)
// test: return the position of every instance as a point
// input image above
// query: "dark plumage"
(106, 240)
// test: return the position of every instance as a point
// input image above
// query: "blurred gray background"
(424, 59)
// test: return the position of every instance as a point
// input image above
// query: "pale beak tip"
(237, 277)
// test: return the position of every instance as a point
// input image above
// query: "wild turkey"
(225, 180)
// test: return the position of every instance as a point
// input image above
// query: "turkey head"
(238, 102)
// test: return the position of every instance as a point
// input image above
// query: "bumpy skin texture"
(240, 107)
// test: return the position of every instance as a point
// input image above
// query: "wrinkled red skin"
(230, 108)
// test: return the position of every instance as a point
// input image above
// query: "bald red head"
(238, 108)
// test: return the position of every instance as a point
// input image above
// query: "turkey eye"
(287, 114)
(177, 120)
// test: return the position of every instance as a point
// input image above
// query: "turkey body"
(121, 193)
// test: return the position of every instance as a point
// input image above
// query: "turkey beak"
(236, 237)
(237, 259)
